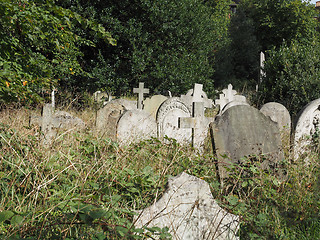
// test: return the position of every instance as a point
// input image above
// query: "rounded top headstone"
(278, 113)
(134, 126)
(168, 120)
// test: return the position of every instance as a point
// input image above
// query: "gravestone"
(141, 90)
(198, 123)
(107, 119)
(135, 126)
(227, 96)
(151, 105)
(279, 114)
(245, 131)
(51, 121)
(168, 120)
(196, 95)
(102, 97)
(306, 125)
(190, 212)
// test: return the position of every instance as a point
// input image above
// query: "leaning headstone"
(190, 212)
(51, 121)
(279, 114)
(168, 120)
(107, 119)
(245, 131)
(198, 123)
(151, 105)
(306, 125)
(196, 95)
(135, 126)
(141, 91)
(229, 95)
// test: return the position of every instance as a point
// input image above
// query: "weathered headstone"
(141, 90)
(196, 95)
(51, 121)
(151, 105)
(168, 120)
(199, 124)
(227, 96)
(107, 119)
(135, 126)
(245, 131)
(306, 125)
(190, 212)
(279, 114)
(102, 97)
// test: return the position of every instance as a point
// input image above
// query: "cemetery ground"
(87, 187)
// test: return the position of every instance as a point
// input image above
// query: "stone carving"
(196, 95)
(190, 212)
(168, 120)
(227, 96)
(135, 126)
(141, 90)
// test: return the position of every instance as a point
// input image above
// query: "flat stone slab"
(135, 126)
(190, 212)
(245, 131)
(168, 120)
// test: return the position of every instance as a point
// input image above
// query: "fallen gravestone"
(168, 120)
(190, 212)
(151, 105)
(51, 121)
(229, 98)
(306, 126)
(279, 114)
(245, 131)
(135, 126)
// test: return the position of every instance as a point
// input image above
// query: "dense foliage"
(39, 48)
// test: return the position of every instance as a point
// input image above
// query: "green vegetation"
(86, 187)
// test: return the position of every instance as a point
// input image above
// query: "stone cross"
(141, 90)
(52, 98)
(195, 122)
(197, 92)
(226, 97)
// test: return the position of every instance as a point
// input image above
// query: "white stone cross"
(227, 96)
(197, 122)
(197, 93)
(141, 90)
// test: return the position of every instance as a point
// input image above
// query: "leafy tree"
(39, 48)
(169, 45)
(292, 75)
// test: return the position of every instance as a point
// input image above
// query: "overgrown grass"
(85, 187)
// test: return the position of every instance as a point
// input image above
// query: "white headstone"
(229, 95)
(308, 122)
(199, 124)
(135, 126)
(190, 212)
(196, 95)
(141, 90)
(168, 120)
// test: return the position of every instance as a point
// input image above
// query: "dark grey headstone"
(245, 131)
